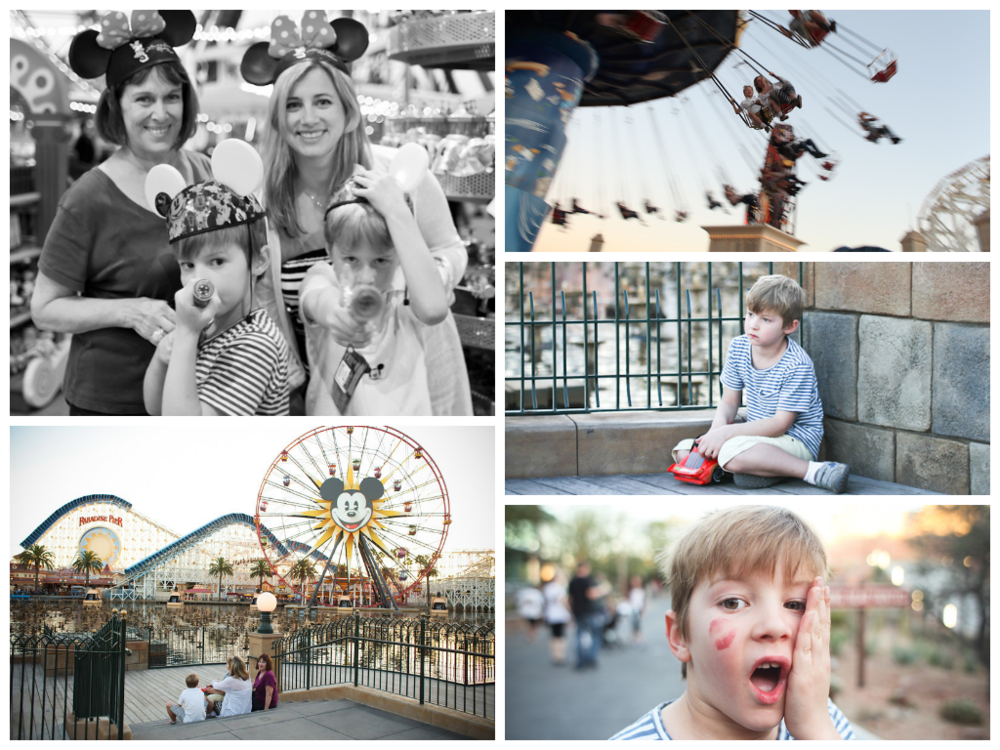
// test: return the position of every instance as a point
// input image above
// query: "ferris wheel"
(367, 507)
(948, 214)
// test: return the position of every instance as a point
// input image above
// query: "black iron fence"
(584, 337)
(448, 664)
(173, 646)
(68, 686)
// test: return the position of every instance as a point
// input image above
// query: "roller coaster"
(139, 580)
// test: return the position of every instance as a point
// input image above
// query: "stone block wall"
(902, 355)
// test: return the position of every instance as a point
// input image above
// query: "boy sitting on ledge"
(784, 424)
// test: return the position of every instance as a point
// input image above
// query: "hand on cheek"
(806, 715)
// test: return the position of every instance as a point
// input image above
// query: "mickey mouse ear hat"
(121, 49)
(339, 42)
(225, 201)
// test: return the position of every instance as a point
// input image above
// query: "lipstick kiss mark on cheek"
(726, 640)
(714, 625)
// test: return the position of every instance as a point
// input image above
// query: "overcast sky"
(185, 475)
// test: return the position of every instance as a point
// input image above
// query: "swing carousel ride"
(614, 62)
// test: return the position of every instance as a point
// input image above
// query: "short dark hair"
(267, 660)
(189, 247)
(109, 121)
(191, 680)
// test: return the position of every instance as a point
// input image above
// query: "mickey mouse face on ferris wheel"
(351, 509)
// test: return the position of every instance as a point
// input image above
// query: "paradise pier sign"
(103, 519)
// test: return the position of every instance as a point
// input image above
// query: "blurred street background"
(913, 666)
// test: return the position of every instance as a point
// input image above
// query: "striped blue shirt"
(649, 727)
(244, 370)
(789, 385)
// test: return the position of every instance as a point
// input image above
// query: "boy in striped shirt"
(784, 424)
(751, 626)
(225, 357)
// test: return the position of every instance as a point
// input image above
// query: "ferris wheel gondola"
(344, 502)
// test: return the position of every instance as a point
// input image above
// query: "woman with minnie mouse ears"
(106, 271)
(313, 143)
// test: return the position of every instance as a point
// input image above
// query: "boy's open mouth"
(768, 678)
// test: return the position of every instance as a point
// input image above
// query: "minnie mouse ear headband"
(120, 49)
(339, 42)
(225, 201)
(408, 167)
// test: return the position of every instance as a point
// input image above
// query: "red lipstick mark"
(727, 638)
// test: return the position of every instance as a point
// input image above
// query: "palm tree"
(260, 570)
(425, 562)
(220, 567)
(39, 556)
(88, 562)
(302, 570)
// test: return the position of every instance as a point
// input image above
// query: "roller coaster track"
(163, 556)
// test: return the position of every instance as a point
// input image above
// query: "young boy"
(369, 359)
(751, 106)
(751, 624)
(191, 704)
(784, 424)
(224, 357)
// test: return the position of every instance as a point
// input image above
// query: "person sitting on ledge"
(265, 687)
(235, 689)
(784, 426)
(191, 704)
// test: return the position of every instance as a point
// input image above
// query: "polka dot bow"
(115, 30)
(286, 40)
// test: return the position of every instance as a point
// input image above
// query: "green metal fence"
(669, 335)
(450, 664)
(57, 677)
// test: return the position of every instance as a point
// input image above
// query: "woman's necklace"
(321, 205)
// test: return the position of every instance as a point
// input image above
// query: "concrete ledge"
(91, 729)
(616, 443)
(539, 446)
(598, 444)
(475, 727)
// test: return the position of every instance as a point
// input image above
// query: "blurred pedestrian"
(557, 614)
(637, 598)
(585, 595)
(531, 605)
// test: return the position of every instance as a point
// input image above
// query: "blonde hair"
(280, 172)
(238, 669)
(351, 224)
(778, 294)
(739, 542)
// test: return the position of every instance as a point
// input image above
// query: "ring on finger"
(157, 336)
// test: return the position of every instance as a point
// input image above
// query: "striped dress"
(789, 384)
(244, 370)
(649, 727)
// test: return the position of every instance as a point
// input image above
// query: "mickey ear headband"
(339, 42)
(225, 201)
(121, 49)
(408, 167)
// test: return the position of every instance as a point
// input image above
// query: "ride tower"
(558, 60)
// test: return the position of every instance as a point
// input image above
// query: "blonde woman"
(314, 141)
(236, 689)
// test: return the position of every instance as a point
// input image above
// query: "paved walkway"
(147, 692)
(665, 484)
(545, 702)
(311, 720)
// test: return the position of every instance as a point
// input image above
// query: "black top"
(580, 603)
